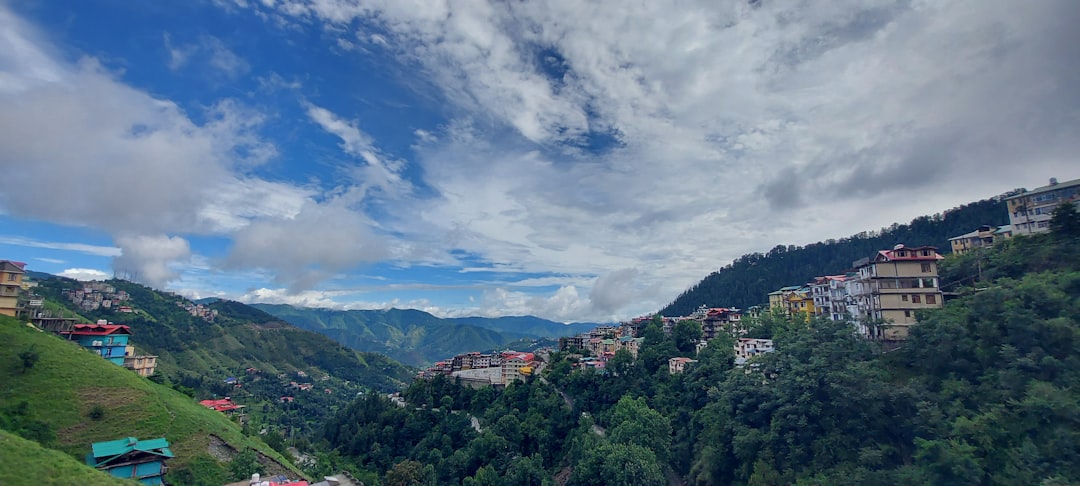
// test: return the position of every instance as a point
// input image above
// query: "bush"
(97, 412)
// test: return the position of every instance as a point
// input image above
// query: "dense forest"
(747, 280)
(985, 391)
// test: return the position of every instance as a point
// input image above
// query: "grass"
(67, 382)
(27, 462)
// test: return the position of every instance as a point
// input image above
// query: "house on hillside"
(678, 364)
(982, 237)
(130, 458)
(224, 405)
(110, 341)
(11, 277)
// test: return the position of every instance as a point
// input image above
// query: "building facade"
(892, 286)
(1030, 211)
(982, 237)
(11, 280)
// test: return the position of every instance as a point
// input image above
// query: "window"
(11, 277)
(928, 283)
(904, 297)
(931, 299)
(926, 267)
(926, 253)
(916, 298)
(907, 313)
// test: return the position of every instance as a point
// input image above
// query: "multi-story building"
(982, 237)
(110, 341)
(11, 278)
(721, 320)
(130, 458)
(746, 348)
(1030, 211)
(678, 364)
(892, 286)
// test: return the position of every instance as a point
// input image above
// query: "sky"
(577, 161)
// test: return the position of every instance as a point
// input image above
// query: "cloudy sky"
(572, 160)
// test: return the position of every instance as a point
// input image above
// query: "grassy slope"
(27, 462)
(68, 381)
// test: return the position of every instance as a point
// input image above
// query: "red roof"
(99, 329)
(221, 405)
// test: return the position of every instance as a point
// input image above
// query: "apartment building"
(892, 286)
(1030, 211)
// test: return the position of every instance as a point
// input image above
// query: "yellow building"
(981, 237)
(11, 277)
(895, 284)
(800, 302)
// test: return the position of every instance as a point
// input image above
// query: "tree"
(28, 358)
(1066, 220)
(243, 465)
(410, 473)
(686, 334)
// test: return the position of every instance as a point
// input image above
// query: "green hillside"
(69, 398)
(27, 462)
(416, 337)
(748, 280)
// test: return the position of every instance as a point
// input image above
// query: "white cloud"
(208, 52)
(96, 250)
(85, 274)
(730, 126)
(151, 259)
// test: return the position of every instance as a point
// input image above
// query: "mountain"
(415, 337)
(239, 337)
(67, 399)
(748, 280)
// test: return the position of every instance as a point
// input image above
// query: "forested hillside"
(415, 337)
(985, 391)
(748, 280)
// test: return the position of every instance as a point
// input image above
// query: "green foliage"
(28, 358)
(686, 335)
(410, 473)
(243, 465)
(97, 412)
(1065, 221)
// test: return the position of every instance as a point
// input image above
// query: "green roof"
(110, 449)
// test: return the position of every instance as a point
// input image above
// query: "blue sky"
(571, 160)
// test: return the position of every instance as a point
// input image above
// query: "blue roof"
(104, 452)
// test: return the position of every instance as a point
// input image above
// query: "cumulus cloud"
(312, 246)
(151, 259)
(600, 136)
(85, 274)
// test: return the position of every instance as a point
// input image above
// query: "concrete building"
(982, 237)
(1030, 211)
(678, 364)
(892, 286)
(746, 348)
(11, 279)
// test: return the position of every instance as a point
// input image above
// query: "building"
(1030, 211)
(982, 237)
(746, 348)
(110, 341)
(892, 286)
(11, 279)
(223, 405)
(516, 366)
(721, 320)
(130, 458)
(678, 364)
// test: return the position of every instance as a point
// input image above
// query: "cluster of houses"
(482, 369)
(99, 295)
(198, 310)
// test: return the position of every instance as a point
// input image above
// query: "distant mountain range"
(415, 337)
